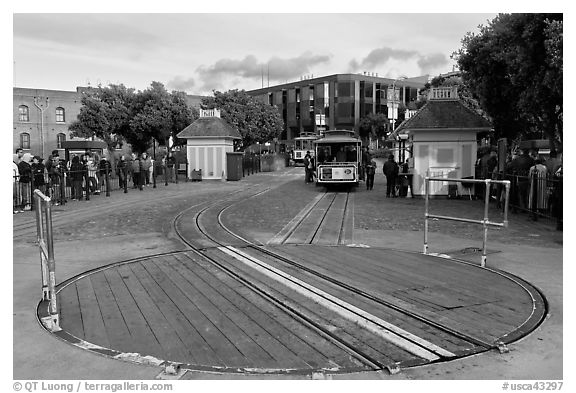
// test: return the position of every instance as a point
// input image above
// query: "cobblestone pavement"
(373, 211)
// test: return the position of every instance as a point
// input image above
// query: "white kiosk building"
(443, 137)
(209, 138)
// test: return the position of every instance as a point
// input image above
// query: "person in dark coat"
(25, 171)
(520, 167)
(390, 170)
(307, 164)
(136, 168)
(370, 169)
(38, 170)
(122, 171)
(77, 171)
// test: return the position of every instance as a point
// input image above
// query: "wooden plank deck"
(180, 307)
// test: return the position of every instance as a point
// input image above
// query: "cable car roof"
(338, 136)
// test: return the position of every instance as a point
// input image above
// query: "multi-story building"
(341, 100)
(41, 118)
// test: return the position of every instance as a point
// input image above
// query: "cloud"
(100, 31)
(276, 68)
(431, 62)
(181, 84)
(380, 56)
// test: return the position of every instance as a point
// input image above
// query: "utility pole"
(42, 122)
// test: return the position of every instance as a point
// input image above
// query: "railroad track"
(270, 274)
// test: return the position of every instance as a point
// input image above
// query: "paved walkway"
(119, 231)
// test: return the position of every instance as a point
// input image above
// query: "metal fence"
(538, 196)
(82, 185)
(485, 222)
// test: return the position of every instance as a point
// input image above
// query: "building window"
(23, 113)
(25, 141)
(60, 115)
(59, 139)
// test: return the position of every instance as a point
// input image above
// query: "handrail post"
(107, 177)
(87, 182)
(426, 194)
(507, 184)
(487, 186)
(47, 263)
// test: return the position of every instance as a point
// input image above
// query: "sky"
(201, 52)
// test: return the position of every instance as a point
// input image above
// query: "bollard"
(165, 175)
(106, 176)
(534, 195)
(87, 181)
(154, 176)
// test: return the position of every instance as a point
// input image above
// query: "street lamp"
(392, 115)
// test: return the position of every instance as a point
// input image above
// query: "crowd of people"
(536, 181)
(85, 174)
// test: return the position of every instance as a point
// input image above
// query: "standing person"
(38, 170)
(306, 160)
(403, 180)
(135, 170)
(312, 169)
(25, 171)
(390, 170)
(92, 166)
(104, 167)
(366, 159)
(146, 165)
(121, 170)
(56, 176)
(151, 171)
(15, 186)
(171, 165)
(370, 169)
(77, 174)
(520, 167)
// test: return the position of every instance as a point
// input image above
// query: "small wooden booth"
(208, 140)
(443, 138)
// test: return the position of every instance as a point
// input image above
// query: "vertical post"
(166, 172)
(175, 169)
(87, 181)
(39, 226)
(154, 166)
(507, 191)
(53, 308)
(426, 191)
(125, 170)
(107, 177)
(485, 221)
(533, 195)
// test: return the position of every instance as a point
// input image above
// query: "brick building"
(41, 118)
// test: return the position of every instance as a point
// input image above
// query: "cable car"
(302, 144)
(338, 156)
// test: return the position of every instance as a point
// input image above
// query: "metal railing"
(48, 307)
(485, 222)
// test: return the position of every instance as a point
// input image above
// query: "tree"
(373, 126)
(255, 121)
(116, 114)
(105, 114)
(514, 68)
(159, 115)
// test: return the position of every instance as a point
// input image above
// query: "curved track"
(323, 319)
